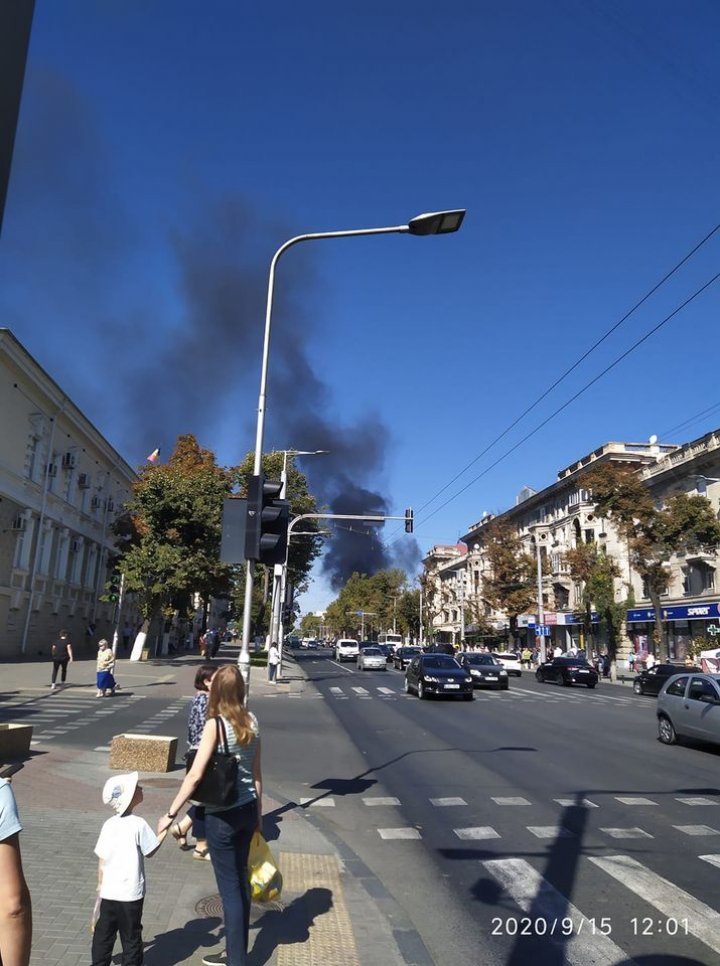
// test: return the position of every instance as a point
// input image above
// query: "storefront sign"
(683, 612)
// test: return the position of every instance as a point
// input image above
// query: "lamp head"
(437, 222)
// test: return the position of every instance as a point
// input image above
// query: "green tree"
(169, 536)
(654, 534)
(509, 584)
(597, 571)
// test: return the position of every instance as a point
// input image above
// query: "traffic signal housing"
(113, 587)
(268, 518)
(408, 521)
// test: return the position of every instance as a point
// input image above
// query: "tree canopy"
(508, 584)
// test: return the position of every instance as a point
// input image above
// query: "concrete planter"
(15, 741)
(143, 752)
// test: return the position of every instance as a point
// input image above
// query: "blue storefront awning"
(709, 610)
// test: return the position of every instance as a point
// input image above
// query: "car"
(440, 647)
(510, 661)
(652, 680)
(371, 658)
(485, 670)
(309, 643)
(346, 649)
(403, 656)
(387, 650)
(688, 706)
(429, 674)
(568, 671)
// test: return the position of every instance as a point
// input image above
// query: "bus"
(392, 639)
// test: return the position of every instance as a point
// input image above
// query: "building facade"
(61, 487)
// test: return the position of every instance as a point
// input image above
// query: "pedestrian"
(195, 817)
(125, 841)
(631, 660)
(15, 904)
(273, 659)
(104, 670)
(62, 655)
(203, 645)
(650, 661)
(229, 829)
(213, 642)
(525, 657)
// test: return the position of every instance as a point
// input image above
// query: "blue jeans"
(229, 835)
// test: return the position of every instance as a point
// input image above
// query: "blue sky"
(165, 151)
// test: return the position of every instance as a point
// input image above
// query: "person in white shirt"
(650, 662)
(273, 660)
(124, 843)
(15, 905)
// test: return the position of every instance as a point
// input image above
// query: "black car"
(485, 670)
(440, 647)
(429, 674)
(652, 680)
(403, 656)
(387, 651)
(568, 671)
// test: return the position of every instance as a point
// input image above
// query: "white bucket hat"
(119, 790)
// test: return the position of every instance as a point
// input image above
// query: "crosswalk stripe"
(477, 833)
(701, 920)
(542, 901)
(387, 691)
(712, 859)
(361, 692)
(398, 833)
(696, 829)
(573, 803)
(550, 832)
(445, 802)
(696, 801)
(627, 833)
(389, 800)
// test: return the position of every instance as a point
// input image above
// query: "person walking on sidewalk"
(104, 668)
(229, 829)
(15, 904)
(124, 843)
(273, 660)
(62, 655)
(195, 817)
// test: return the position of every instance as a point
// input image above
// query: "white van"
(346, 649)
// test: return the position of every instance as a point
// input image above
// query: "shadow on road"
(288, 926)
(177, 945)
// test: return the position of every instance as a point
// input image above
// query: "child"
(125, 839)
(105, 663)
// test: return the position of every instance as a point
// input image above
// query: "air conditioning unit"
(19, 523)
(84, 481)
(95, 503)
(68, 461)
(52, 469)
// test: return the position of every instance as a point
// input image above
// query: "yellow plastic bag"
(265, 877)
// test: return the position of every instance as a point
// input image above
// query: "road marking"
(102, 748)
(712, 859)
(387, 691)
(445, 802)
(696, 829)
(550, 832)
(700, 920)
(318, 802)
(398, 833)
(511, 801)
(574, 803)
(627, 833)
(542, 901)
(478, 833)
(634, 801)
(381, 801)
(696, 801)
(361, 692)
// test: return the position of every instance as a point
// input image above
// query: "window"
(699, 577)
(700, 688)
(677, 688)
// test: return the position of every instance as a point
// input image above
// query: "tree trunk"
(659, 632)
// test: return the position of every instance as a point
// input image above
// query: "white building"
(61, 487)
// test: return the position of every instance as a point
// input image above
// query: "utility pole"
(541, 605)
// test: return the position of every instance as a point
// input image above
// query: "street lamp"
(434, 223)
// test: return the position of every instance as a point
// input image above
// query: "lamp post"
(541, 605)
(434, 223)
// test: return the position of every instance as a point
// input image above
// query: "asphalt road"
(542, 823)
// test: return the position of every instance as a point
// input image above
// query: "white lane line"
(712, 859)
(343, 667)
(312, 803)
(511, 801)
(476, 834)
(696, 829)
(697, 801)
(102, 748)
(335, 690)
(702, 921)
(573, 803)
(627, 833)
(361, 692)
(398, 833)
(542, 901)
(389, 800)
(550, 832)
(387, 691)
(446, 802)
(634, 801)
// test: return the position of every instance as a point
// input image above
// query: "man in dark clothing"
(61, 653)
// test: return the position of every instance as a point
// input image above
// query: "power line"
(574, 366)
(579, 393)
(691, 419)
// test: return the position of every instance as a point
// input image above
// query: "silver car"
(688, 706)
(371, 659)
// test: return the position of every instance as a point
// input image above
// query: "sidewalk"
(330, 910)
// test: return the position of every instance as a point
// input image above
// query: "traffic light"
(268, 517)
(113, 587)
(408, 521)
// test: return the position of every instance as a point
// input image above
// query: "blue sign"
(542, 630)
(683, 612)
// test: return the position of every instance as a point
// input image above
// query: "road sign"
(542, 630)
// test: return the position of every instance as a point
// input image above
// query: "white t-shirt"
(123, 842)
(9, 819)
